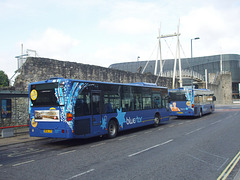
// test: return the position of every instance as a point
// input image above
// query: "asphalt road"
(199, 148)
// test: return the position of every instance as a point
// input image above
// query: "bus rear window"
(178, 96)
(44, 95)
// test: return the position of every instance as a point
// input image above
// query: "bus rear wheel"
(200, 113)
(112, 129)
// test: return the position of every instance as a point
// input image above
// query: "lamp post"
(196, 38)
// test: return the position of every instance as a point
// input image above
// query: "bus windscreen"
(178, 96)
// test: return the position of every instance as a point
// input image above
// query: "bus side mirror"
(214, 98)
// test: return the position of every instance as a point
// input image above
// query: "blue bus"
(191, 102)
(68, 108)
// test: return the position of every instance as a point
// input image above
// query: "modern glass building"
(230, 63)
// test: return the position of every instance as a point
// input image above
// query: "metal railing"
(185, 73)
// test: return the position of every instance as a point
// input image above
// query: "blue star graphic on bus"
(120, 117)
(104, 122)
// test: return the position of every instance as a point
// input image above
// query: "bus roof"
(179, 89)
(197, 91)
(142, 84)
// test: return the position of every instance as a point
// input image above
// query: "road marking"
(198, 159)
(147, 132)
(180, 123)
(227, 110)
(222, 164)
(211, 154)
(127, 137)
(160, 129)
(229, 168)
(97, 145)
(122, 138)
(26, 152)
(66, 152)
(216, 122)
(132, 136)
(18, 164)
(171, 125)
(81, 174)
(1, 165)
(152, 147)
(194, 131)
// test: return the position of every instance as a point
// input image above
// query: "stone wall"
(17, 110)
(222, 88)
(38, 69)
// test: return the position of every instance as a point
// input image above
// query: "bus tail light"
(69, 116)
(192, 105)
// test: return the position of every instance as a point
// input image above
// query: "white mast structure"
(177, 55)
(160, 55)
(179, 60)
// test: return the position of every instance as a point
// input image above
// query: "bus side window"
(196, 99)
(200, 99)
(127, 99)
(111, 98)
(82, 106)
(157, 101)
(95, 103)
(146, 98)
(137, 102)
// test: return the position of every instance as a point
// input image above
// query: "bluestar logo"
(135, 120)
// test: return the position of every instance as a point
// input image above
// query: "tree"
(4, 82)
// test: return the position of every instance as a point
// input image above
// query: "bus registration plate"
(180, 112)
(47, 131)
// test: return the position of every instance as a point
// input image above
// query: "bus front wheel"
(112, 129)
(156, 121)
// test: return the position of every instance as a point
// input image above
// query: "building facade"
(214, 64)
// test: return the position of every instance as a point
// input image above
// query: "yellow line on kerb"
(229, 168)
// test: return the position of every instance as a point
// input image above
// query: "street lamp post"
(196, 38)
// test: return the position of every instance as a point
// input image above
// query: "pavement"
(21, 135)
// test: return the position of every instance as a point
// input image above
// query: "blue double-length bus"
(191, 102)
(68, 108)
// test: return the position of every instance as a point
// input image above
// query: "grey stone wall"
(222, 88)
(38, 69)
(19, 112)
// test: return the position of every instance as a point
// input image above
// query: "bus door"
(96, 104)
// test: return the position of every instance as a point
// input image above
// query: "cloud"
(218, 29)
(130, 17)
(128, 25)
(52, 43)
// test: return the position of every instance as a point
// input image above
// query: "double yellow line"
(229, 168)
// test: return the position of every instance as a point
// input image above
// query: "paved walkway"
(20, 136)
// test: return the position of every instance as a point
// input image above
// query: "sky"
(103, 32)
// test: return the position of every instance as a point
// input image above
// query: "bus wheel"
(200, 113)
(211, 109)
(156, 121)
(112, 129)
